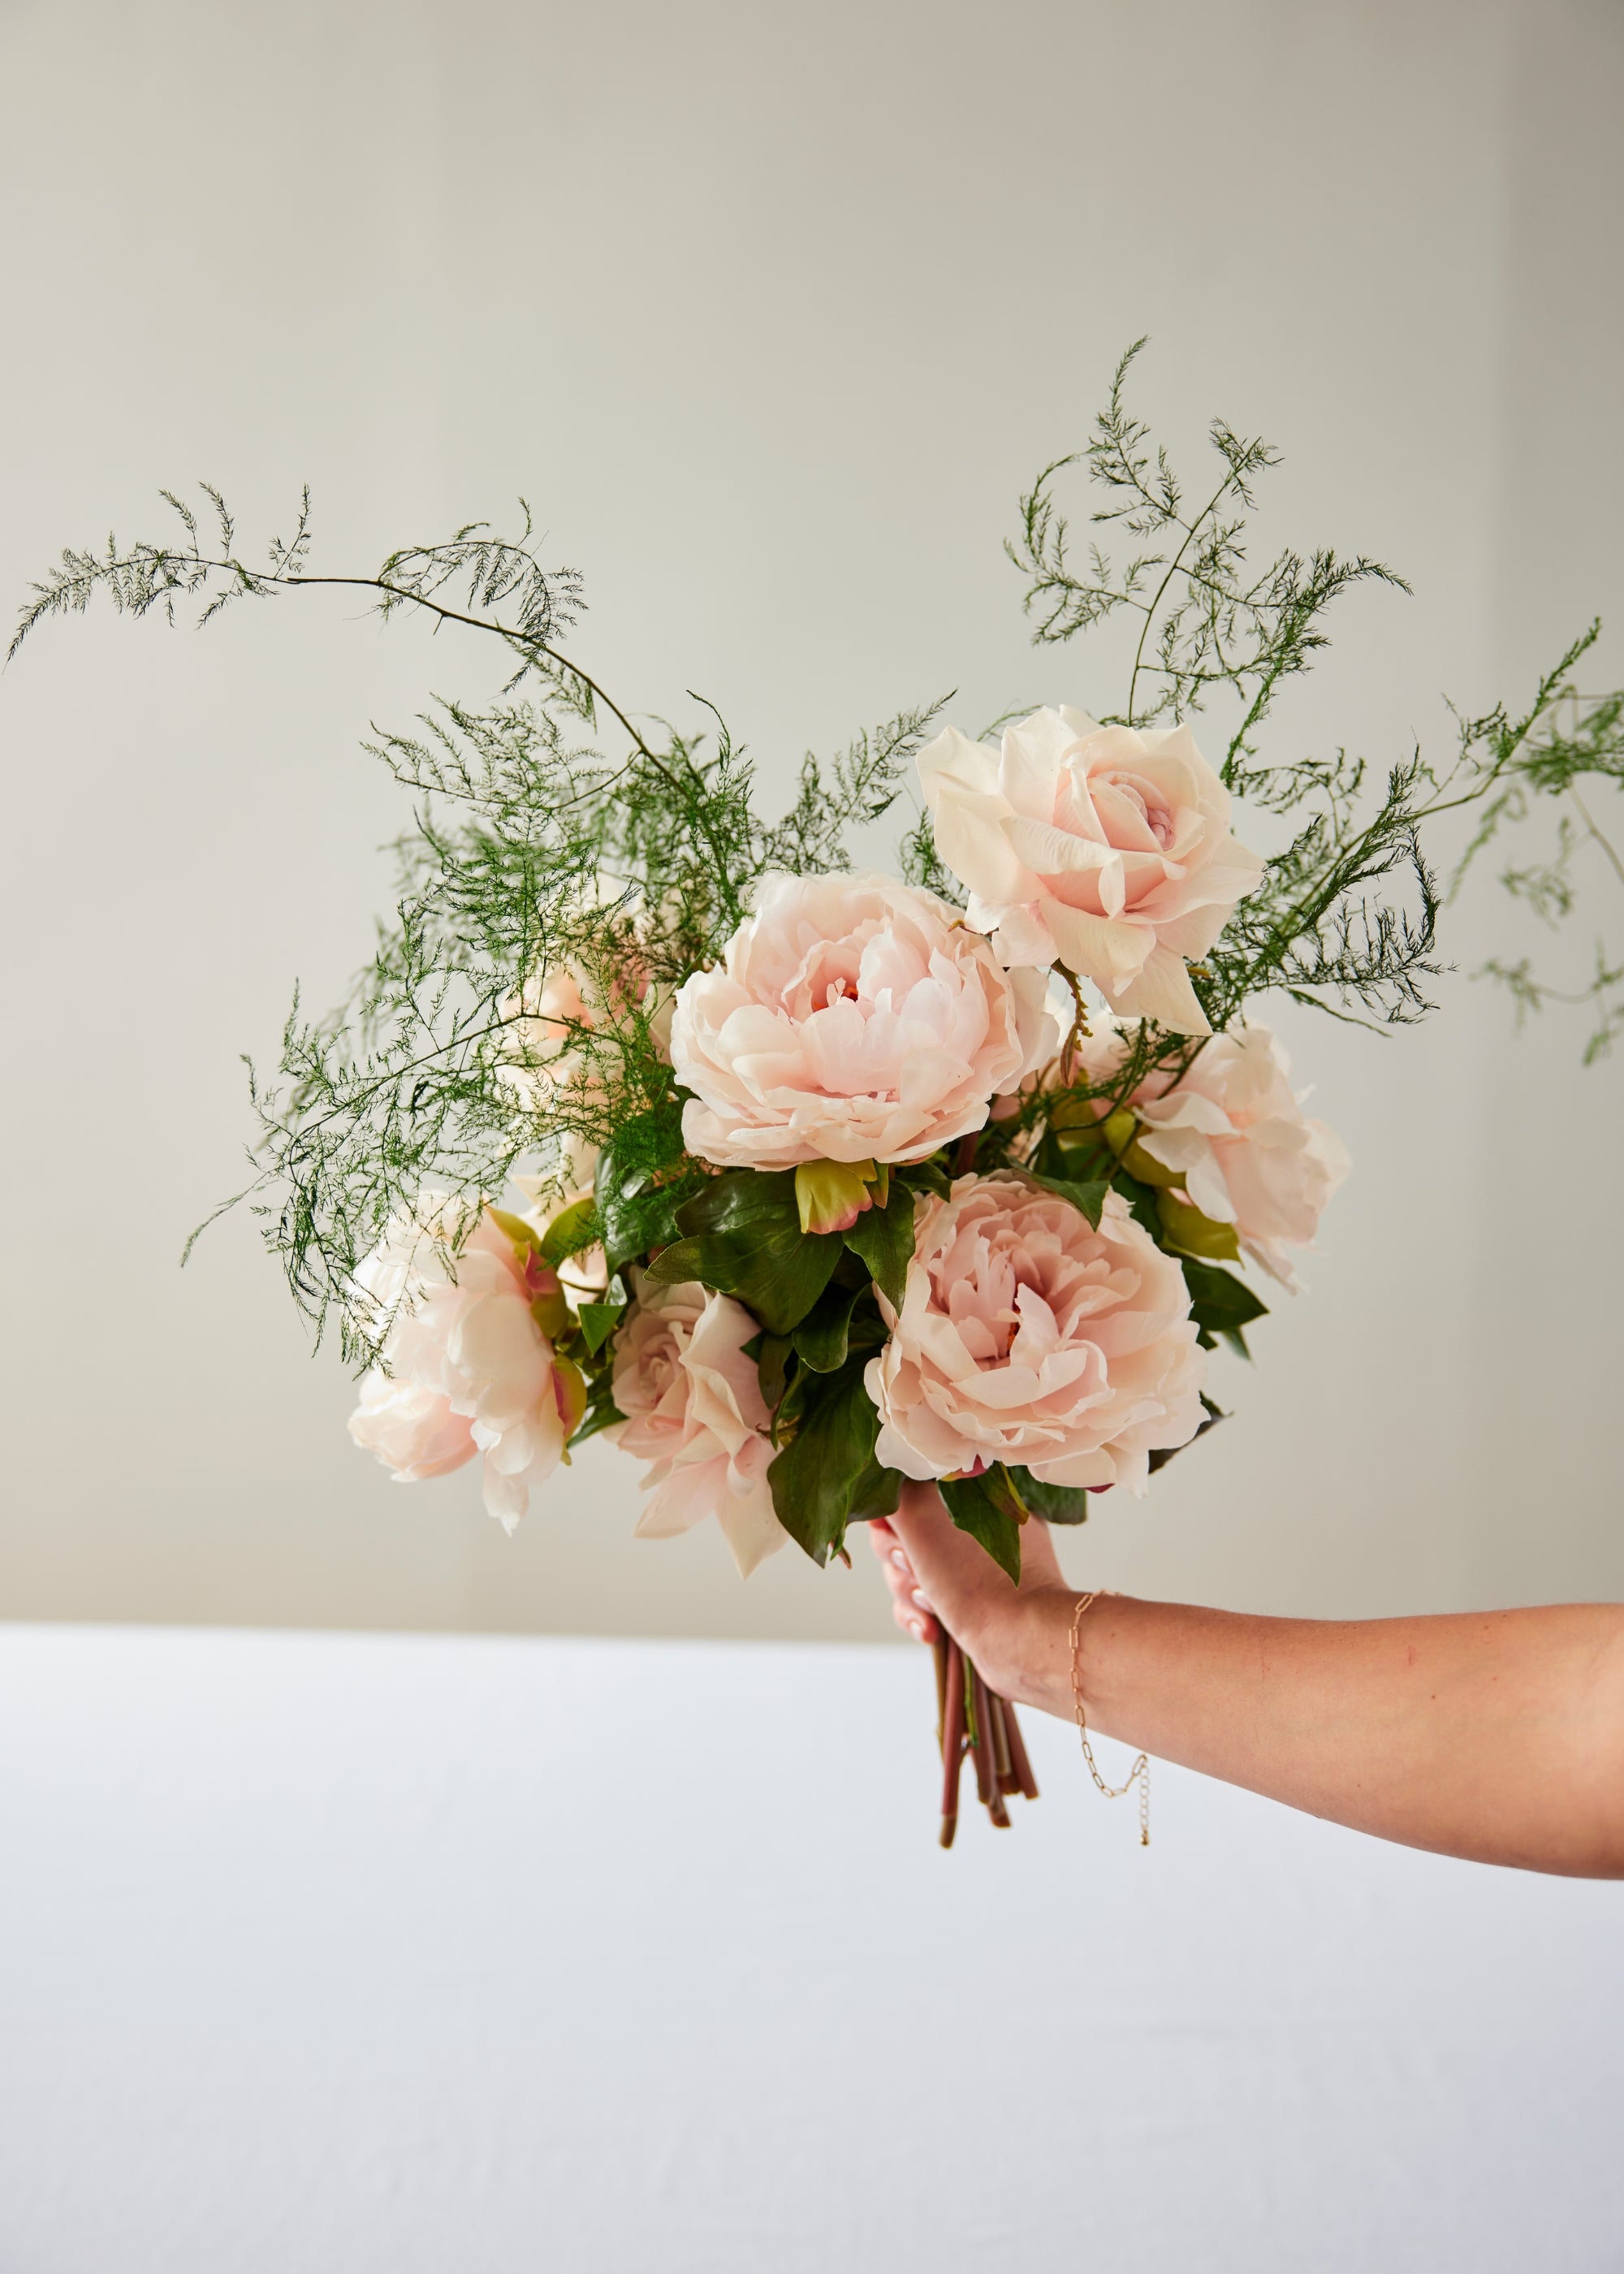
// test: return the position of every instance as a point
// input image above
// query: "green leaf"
(828, 1459)
(772, 1369)
(569, 1232)
(684, 1259)
(743, 1236)
(522, 1234)
(1142, 1202)
(1054, 1503)
(1089, 1198)
(1220, 1303)
(598, 1322)
(635, 1216)
(991, 1510)
(876, 1492)
(883, 1240)
(1186, 1232)
(820, 1339)
(1081, 1156)
(602, 1412)
(802, 1386)
(928, 1177)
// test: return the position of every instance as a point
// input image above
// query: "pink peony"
(470, 1366)
(694, 1412)
(1025, 1336)
(1100, 846)
(854, 1019)
(1248, 1153)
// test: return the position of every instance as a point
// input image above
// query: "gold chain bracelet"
(1140, 1773)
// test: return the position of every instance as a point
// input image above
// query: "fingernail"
(899, 1559)
(917, 1630)
(923, 1601)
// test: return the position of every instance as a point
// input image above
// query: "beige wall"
(770, 312)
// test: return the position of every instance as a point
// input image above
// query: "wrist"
(1028, 1659)
(1097, 1668)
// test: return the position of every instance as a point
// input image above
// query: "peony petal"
(1077, 1469)
(893, 1450)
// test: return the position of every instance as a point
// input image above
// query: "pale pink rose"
(469, 1369)
(1026, 1336)
(694, 1412)
(1106, 848)
(854, 1019)
(1250, 1155)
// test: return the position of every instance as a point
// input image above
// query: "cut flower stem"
(973, 1719)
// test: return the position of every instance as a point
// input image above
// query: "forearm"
(1499, 1736)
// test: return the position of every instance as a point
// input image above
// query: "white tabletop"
(322, 1953)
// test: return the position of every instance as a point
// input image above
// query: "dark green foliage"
(599, 1321)
(822, 1339)
(775, 1355)
(1089, 1198)
(634, 1211)
(741, 1232)
(827, 1475)
(876, 1492)
(1054, 1503)
(1220, 1303)
(573, 1229)
(991, 1508)
(602, 1411)
(884, 1238)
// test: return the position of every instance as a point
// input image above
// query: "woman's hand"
(1498, 1736)
(1018, 1636)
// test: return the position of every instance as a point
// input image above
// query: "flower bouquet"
(802, 1179)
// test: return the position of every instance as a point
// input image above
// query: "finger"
(895, 1558)
(909, 1605)
(962, 1584)
(907, 1595)
(889, 1552)
(918, 1625)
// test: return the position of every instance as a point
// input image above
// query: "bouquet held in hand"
(802, 1179)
